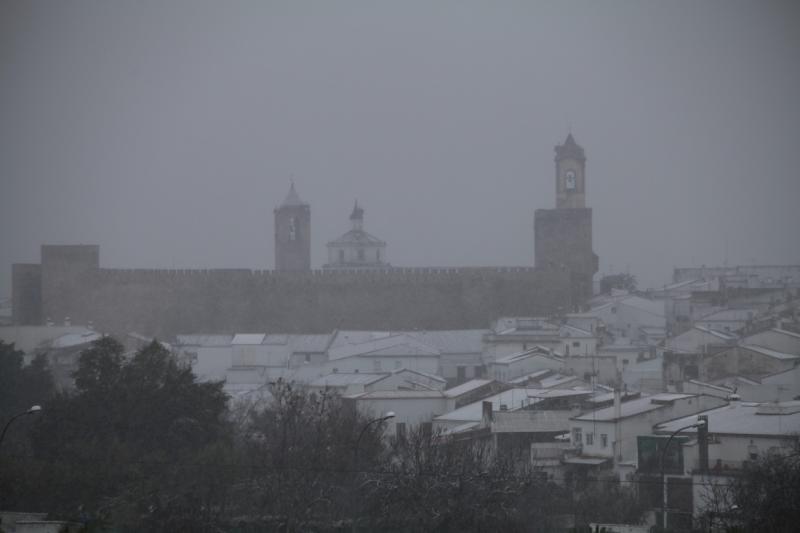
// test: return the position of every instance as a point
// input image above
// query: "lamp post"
(34, 409)
(384, 418)
(700, 423)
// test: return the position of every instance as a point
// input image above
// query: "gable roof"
(631, 408)
(388, 345)
(745, 418)
(769, 353)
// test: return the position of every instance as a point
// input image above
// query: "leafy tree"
(430, 483)
(134, 439)
(20, 388)
(767, 496)
(302, 447)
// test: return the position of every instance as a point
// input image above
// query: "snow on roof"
(398, 395)
(248, 338)
(557, 380)
(204, 340)
(655, 307)
(464, 388)
(786, 332)
(389, 345)
(728, 315)
(574, 332)
(433, 377)
(310, 343)
(632, 407)
(715, 333)
(512, 399)
(531, 376)
(75, 339)
(742, 418)
(536, 351)
(343, 379)
(453, 341)
(769, 353)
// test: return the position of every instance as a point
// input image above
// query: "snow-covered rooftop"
(743, 418)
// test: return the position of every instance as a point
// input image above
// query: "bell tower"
(563, 236)
(293, 234)
(570, 175)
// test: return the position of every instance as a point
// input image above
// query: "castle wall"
(66, 272)
(26, 293)
(166, 302)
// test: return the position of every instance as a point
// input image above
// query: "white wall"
(362, 363)
(410, 411)
(211, 362)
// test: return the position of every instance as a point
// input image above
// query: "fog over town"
(407, 266)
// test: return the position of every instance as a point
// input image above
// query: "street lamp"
(34, 409)
(699, 424)
(384, 418)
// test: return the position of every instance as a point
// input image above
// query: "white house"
(609, 434)
(511, 335)
(520, 364)
(739, 432)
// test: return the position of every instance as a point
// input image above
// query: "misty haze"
(408, 266)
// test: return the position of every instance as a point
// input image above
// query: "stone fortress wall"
(70, 283)
(166, 302)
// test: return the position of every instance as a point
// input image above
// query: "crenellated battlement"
(168, 301)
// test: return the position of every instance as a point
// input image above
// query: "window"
(360, 254)
(397, 364)
(604, 440)
(576, 344)
(576, 435)
(292, 229)
(341, 256)
(462, 373)
(376, 365)
(589, 439)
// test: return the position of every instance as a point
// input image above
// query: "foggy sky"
(166, 132)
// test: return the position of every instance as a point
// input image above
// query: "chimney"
(486, 420)
(702, 442)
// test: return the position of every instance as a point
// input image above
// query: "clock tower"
(570, 175)
(563, 236)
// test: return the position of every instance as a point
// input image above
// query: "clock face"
(570, 180)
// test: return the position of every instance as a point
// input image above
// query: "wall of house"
(641, 424)
(577, 346)
(410, 411)
(166, 302)
(604, 368)
(509, 371)
(210, 363)
(741, 361)
(472, 364)
(427, 364)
